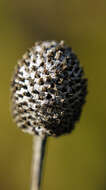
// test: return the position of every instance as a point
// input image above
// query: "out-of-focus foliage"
(75, 161)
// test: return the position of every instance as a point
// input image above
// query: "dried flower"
(48, 89)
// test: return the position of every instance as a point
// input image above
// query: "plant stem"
(39, 145)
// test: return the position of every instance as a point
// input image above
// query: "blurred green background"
(75, 161)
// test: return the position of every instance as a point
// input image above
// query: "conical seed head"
(48, 89)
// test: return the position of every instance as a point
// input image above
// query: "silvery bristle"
(48, 89)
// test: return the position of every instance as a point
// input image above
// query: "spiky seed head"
(48, 89)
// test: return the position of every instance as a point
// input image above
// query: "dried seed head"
(48, 89)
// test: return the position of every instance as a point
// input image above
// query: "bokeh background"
(75, 161)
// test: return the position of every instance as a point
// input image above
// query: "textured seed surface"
(48, 89)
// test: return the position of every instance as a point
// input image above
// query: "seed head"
(48, 89)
